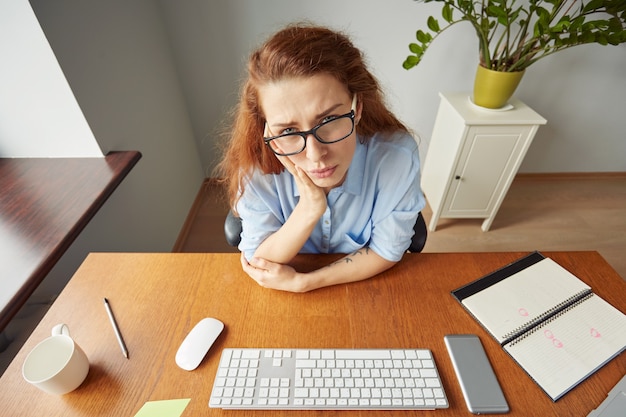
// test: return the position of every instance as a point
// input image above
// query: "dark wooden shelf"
(44, 205)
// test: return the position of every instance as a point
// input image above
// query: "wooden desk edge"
(121, 163)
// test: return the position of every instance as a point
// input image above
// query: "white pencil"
(116, 329)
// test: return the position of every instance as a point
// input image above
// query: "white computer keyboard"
(325, 379)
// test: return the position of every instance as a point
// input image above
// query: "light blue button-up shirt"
(376, 206)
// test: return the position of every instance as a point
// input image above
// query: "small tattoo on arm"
(350, 258)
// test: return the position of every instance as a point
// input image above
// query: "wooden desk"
(44, 204)
(158, 298)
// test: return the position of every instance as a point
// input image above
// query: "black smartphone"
(481, 390)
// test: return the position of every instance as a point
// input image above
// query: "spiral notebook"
(548, 320)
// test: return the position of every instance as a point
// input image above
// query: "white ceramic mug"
(57, 365)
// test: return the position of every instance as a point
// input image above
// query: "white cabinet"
(473, 156)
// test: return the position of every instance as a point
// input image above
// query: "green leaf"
(614, 39)
(496, 11)
(587, 37)
(466, 6)
(543, 15)
(561, 25)
(446, 12)
(410, 62)
(615, 24)
(416, 49)
(576, 24)
(558, 42)
(514, 15)
(423, 37)
(433, 24)
(573, 38)
(593, 5)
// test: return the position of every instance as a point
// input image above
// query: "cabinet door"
(489, 157)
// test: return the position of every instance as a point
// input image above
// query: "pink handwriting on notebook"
(555, 342)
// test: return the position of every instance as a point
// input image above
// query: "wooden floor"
(545, 212)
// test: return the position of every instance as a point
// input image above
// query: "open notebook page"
(525, 295)
(565, 350)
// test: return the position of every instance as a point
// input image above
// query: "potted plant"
(514, 34)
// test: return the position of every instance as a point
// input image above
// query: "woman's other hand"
(273, 275)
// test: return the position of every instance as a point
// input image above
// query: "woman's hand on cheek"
(310, 194)
(288, 164)
(272, 275)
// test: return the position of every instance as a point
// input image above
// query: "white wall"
(39, 116)
(581, 92)
(117, 59)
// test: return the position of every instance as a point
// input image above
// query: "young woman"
(316, 163)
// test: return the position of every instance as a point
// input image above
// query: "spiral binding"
(540, 321)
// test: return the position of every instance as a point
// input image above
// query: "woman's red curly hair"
(299, 50)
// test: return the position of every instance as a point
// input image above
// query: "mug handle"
(61, 329)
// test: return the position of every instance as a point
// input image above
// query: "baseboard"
(568, 175)
(193, 212)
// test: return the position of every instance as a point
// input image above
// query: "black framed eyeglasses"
(329, 131)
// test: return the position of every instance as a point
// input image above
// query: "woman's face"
(299, 104)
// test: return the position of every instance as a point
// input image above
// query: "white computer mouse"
(197, 343)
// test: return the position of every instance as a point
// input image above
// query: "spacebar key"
(362, 354)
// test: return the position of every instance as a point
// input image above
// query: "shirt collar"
(356, 173)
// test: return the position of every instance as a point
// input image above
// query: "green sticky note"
(165, 408)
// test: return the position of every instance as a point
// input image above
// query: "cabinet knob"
(458, 177)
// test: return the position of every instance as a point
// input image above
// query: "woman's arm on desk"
(359, 265)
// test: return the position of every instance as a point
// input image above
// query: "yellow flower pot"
(493, 89)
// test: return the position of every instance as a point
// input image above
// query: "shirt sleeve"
(260, 212)
(399, 199)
